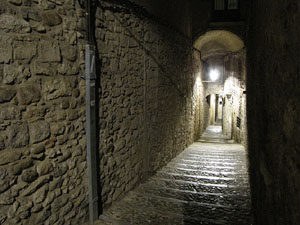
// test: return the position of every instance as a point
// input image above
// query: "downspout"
(91, 116)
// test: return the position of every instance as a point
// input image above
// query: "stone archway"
(225, 52)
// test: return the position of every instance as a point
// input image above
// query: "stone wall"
(149, 106)
(235, 97)
(42, 157)
(199, 104)
(273, 111)
(149, 103)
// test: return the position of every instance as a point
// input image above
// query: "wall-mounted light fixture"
(228, 96)
(214, 75)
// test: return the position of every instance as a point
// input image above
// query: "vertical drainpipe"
(91, 117)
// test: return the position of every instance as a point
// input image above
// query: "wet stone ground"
(206, 184)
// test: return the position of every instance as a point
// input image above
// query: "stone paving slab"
(206, 184)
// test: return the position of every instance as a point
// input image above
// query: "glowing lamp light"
(214, 75)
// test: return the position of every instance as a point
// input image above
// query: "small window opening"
(219, 5)
(233, 4)
(226, 4)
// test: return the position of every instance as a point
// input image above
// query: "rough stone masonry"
(147, 106)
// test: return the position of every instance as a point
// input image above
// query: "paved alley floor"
(206, 184)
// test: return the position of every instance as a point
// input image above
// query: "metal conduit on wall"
(91, 116)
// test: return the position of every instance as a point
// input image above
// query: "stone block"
(4, 185)
(7, 93)
(37, 208)
(13, 23)
(29, 176)
(37, 149)
(34, 112)
(36, 185)
(2, 218)
(66, 155)
(58, 203)
(40, 28)
(71, 37)
(56, 88)
(15, 2)
(57, 129)
(66, 209)
(10, 112)
(46, 69)
(40, 195)
(39, 156)
(2, 145)
(8, 156)
(72, 114)
(30, 14)
(51, 18)
(13, 72)
(7, 199)
(39, 131)
(5, 49)
(49, 51)
(26, 2)
(24, 50)
(56, 183)
(17, 135)
(60, 170)
(49, 199)
(28, 94)
(44, 168)
(68, 69)
(57, 2)
(114, 64)
(43, 217)
(17, 168)
(109, 16)
(69, 52)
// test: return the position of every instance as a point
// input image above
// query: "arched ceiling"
(218, 42)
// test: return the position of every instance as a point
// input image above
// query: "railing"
(226, 10)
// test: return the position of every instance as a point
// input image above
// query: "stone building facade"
(150, 105)
(234, 113)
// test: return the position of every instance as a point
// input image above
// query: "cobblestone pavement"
(206, 184)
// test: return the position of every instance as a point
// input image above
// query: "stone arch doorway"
(223, 55)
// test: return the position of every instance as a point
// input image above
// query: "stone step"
(197, 161)
(201, 187)
(203, 179)
(129, 213)
(206, 184)
(187, 171)
(240, 159)
(211, 167)
(135, 207)
(193, 196)
(217, 155)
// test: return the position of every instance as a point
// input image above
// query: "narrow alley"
(134, 112)
(206, 184)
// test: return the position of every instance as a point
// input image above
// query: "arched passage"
(223, 57)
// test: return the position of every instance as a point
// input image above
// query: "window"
(233, 4)
(219, 5)
(226, 4)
